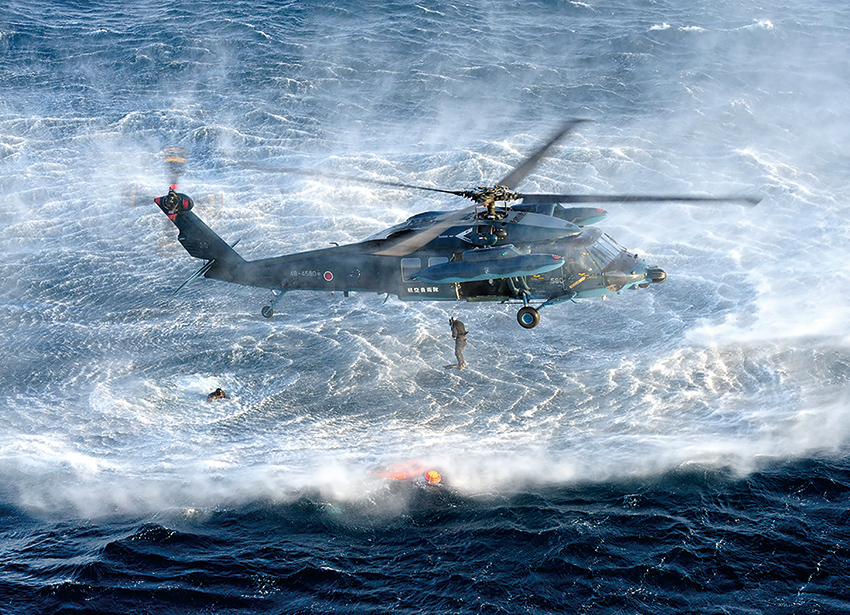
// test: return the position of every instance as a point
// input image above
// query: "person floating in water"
(217, 394)
(459, 336)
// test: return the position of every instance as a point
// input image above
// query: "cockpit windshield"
(605, 250)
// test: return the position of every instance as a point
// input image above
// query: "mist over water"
(738, 363)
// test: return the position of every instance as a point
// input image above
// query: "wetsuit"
(459, 336)
(217, 394)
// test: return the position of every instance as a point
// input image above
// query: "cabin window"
(437, 260)
(410, 266)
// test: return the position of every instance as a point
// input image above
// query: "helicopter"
(507, 247)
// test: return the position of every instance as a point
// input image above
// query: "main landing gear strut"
(528, 317)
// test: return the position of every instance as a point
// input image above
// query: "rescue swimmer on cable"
(508, 247)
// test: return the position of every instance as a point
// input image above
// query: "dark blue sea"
(684, 448)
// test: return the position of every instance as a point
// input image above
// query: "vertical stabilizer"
(195, 236)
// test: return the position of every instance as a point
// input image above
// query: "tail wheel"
(528, 317)
(267, 311)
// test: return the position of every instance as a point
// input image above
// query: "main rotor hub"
(487, 196)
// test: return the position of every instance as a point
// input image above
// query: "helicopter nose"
(656, 274)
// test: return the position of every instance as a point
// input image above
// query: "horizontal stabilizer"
(195, 276)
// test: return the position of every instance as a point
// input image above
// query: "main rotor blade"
(341, 177)
(513, 178)
(635, 198)
(418, 239)
(410, 243)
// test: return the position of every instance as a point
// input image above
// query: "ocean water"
(681, 449)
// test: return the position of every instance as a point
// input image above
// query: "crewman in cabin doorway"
(459, 336)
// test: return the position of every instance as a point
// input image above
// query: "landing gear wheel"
(267, 311)
(528, 317)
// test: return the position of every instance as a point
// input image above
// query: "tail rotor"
(175, 162)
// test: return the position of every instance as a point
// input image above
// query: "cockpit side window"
(580, 264)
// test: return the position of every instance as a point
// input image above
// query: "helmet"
(432, 477)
